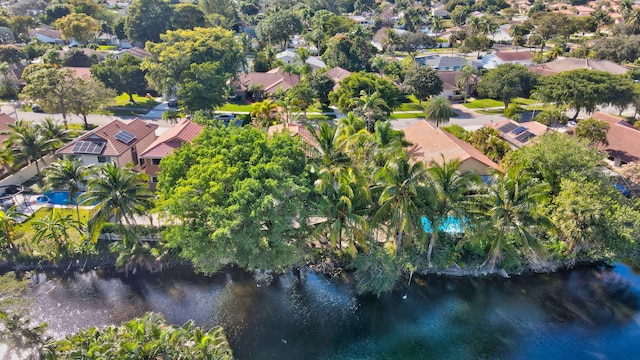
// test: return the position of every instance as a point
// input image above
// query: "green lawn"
(410, 107)
(25, 231)
(233, 107)
(140, 102)
(489, 103)
(417, 115)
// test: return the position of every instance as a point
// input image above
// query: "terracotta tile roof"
(83, 73)
(54, 34)
(172, 139)
(107, 133)
(5, 120)
(270, 81)
(514, 55)
(449, 78)
(295, 130)
(138, 52)
(568, 64)
(520, 138)
(431, 143)
(624, 139)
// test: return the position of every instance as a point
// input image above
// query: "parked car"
(225, 117)
(36, 108)
(172, 103)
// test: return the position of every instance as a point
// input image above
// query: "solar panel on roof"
(525, 136)
(519, 130)
(507, 127)
(125, 136)
(88, 147)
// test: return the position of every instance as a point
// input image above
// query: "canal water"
(587, 313)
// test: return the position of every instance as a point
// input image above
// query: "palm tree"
(436, 25)
(118, 192)
(401, 201)
(67, 174)
(54, 228)
(28, 143)
(464, 78)
(8, 220)
(446, 191)
(54, 131)
(329, 145)
(370, 107)
(264, 113)
(475, 25)
(346, 199)
(510, 209)
(438, 110)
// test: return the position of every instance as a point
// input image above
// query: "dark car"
(36, 108)
(172, 103)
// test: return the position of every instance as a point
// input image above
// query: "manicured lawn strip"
(25, 231)
(489, 103)
(232, 107)
(416, 115)
(410, 107)
(140, 102)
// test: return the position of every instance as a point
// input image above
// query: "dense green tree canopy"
(585, 89)
(278, 27)
(79, 27)
(422, 82)
(592, 130)
(188, 16)
(352, 51)
(353, 85)
(147, 19)
(507, 82)
(124, 75)
(238, 196)
(170, 59)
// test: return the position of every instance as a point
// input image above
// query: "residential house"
(502, 35)
(170, 140)
(492, 61)
(270, 81)
(450, 89)
(623, 138)
(138, 52)
(337, 74)
(446, 63)
(116, 141)
(297, 130)
(5, 121)
(290, 57)
(519, 134)
(441, 13)
(83, 73)
(363, 20)
(48, 36)
(431, 144)
(567, 64)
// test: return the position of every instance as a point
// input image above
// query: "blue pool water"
(450, 225)
(56, 198)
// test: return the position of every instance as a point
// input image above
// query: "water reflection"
(582, 313)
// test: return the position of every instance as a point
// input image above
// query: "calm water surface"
(581, 314)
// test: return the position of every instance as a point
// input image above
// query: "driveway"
(156, 112)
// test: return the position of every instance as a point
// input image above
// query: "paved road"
(466, 118)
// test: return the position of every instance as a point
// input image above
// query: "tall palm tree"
(438, 110)
(67, 174)
(446, 191)
(370, 107)
(54, 131)
(28, 143)
(401, 201)
(346, 199)
(329, 145)
(118, 192)
(436, 25)
(510, 209)
(475, 25)
(466, 76)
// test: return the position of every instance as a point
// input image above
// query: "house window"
(102, 159)
(155, 161)
(154, 179)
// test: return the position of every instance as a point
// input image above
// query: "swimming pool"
(56, 198)
(449, 225)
